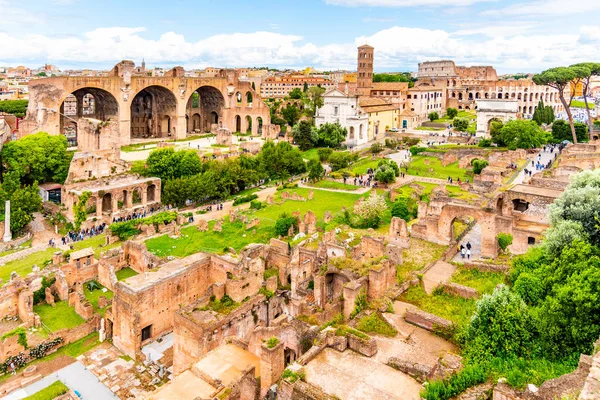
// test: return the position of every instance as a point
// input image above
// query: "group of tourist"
(209, 208)
(451, 180)
(136, 215)
(80, 235)
(465, 250)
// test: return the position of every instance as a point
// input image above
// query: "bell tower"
(364, 75)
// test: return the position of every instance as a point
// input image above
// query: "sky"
(512, 35)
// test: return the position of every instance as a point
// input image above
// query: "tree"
(284, 223)
(295, 94)
(504, 240)
(521, 134)
(305, 89)
(371, 210)
(559, 78)
(433, 116)
(479, 165)
(451, 112)
(291, 114)
(404, 207)
(15, 107)
(42, 74)
(313, 100)
(331, 135)
(39, 157)
(80, 209)
(385, 174)
(594, 70)
(543, 114)
(460, 124)
(495, 128)
(315, 170)
(324, 154)
(305, 135)
(562, 131)
(338, 160)
(502, 326)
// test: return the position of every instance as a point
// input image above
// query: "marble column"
(7, 235)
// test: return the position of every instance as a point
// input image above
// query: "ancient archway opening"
(248, 124)
(206, 107)
(259, 124)
(520, 205)
(92, 103)
(466, 232)
(107, 203)
(152, 111)
(151, 193)
(238, 124)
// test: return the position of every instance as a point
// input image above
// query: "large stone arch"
(211, 102)
(153, 113)
(487, 221)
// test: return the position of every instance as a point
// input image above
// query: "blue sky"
(512, 35)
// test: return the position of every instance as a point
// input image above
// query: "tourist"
(12, 367)
(462, 252)
(468, 254)
(468, 245)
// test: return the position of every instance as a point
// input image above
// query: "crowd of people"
(465, 250)
(76, 236)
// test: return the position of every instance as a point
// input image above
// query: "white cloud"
(403, 3)
(395, 48)
(548, 7)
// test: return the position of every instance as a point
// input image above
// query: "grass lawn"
(312, 154)
(58, 317)
(93, 297)
(326, 184)
(125, 273)
(457, 193)
(97, 243)
(415, 258)
(461, 113)
(581, 104)
(50, 392)
(235, 234)
(361, 166)
(428, 128)
(419, 168)
(408, 191)
(484, 282)
(151, 145)
(455, 309)
(24, 265)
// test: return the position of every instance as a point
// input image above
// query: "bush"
(460, 124)
(244, 199)
(272, 342)
(375, 323)
(324, 154)
(414, 150)
(124, 230)
(485, 143)
(457, 383)
(40, 294)
(338, 160)
(451, 112)
(504, 240)
(405, 208)
(433, 116)
(360, 303)
(284, 223)
(385, 174)
(478, 165)
(256, 205)
(376, 148)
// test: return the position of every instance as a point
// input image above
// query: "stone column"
(98, 206)
(272, 364)
(7, 235)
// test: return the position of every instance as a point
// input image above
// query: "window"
(530, 240)
(335, 110)
(147, 333)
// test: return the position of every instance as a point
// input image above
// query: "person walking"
(468, 254)
(468, 245)
(462, 252)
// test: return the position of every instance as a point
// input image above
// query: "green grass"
(428, 128)
(24, 246)
(140, 146)
(50, 392)
(312, 154)
(361, 166)
(125, 273)
(326, 184)
(97, 243)
(235, 234)
(408, 191)
(457, 193)
(461, 113)
(419, 168)
(93, 297)
(374, 323)
(25, 265)
(484, 282)
(416, 257)
(581, 104)
(59, 317)
(455, 309)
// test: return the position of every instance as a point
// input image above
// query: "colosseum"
(97, 113)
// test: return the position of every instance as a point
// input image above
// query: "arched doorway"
(259, 124)
(87, 102)
(208, 103)
(351, 134)
(152, 111)
(334, 286)
(107, 203)
(151, 193)
(238, 124)
(248, 124)
(196, 122)
(249, 98)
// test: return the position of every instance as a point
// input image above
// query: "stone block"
(366, 347)
(202, 225)
(460, 290)
(218, 226)
(49, 297)
(327, 217)
(420, 372)
(426, 320)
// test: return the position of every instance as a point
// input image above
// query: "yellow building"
(383, 116)
(350, 77)
(577, 89)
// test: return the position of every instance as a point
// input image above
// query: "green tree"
(41, 74)
(522, 134)
(291, 114)
(562, 131)
(338, 160)
(433, 116)
(315, 170)
(284, 223)
(15, 107)
(295, 94)
(313, 100)
(560, 78)
(495, 129)
(332, 135)
(478, 165)
(451, 112)
(80, 209)
(460, 124)
(253, 86)
(594, 70)
(385, 174)
(404, 207)
(504, 240)
(543, 114)
(305, 89)
(305, 135)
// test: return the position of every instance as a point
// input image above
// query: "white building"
(343, 108)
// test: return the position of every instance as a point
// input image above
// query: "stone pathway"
(154, 351)
(22, 254)
(357, 191)
(440, 272)
(473, 237)
(76, 376)
(545, 157)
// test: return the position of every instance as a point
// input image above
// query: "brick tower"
(364, 76)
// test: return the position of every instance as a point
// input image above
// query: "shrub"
(124, 230)
(478, 165)
(244, 199)
(272, 342)
(360, 303)
(385, 174)
(338, 160)
(267, 293)
(485, 143)
(433, 116)
(405, 208)
(375, 323)
(324, 154)
(376, 148)
(460, 124)
(40, 294)
(504, 240)
(451, 112)
(414, 150)
(284, 223)
(454, 385)
(371, 210)
(256, 205)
